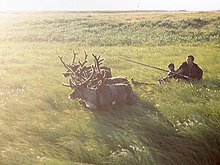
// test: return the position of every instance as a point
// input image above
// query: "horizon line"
(114, 10)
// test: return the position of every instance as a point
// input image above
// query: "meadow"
(173, 123)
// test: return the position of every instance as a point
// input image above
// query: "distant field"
(173, 123)
(110, 29)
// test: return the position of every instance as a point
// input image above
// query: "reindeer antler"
(97, 62)
(86, 55)
(84, 62)
(102, 77)
(61, 59)
(74, 57)
(66, 66)
(74, 84)
(90, 77)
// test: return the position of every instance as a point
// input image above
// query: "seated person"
(171, 73)
(189, 70)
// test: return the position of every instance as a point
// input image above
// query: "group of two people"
(188, 70)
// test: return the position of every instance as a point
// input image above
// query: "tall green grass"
(172, 123)
(98, 30)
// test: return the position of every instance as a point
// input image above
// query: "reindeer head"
(78, 92)
(79, 87)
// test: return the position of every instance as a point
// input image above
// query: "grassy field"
(173, 123)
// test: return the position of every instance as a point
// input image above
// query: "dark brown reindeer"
(101, 95)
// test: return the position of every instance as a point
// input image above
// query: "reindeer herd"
(94, 84)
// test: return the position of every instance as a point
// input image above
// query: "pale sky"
(78, 5)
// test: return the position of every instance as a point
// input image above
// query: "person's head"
(190, 59)
(171, 66)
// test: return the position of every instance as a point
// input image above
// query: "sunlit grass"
(172, 123)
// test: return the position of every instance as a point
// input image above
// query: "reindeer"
(104, 92)
(103, 96)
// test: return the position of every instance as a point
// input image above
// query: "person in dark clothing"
(189, 70)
